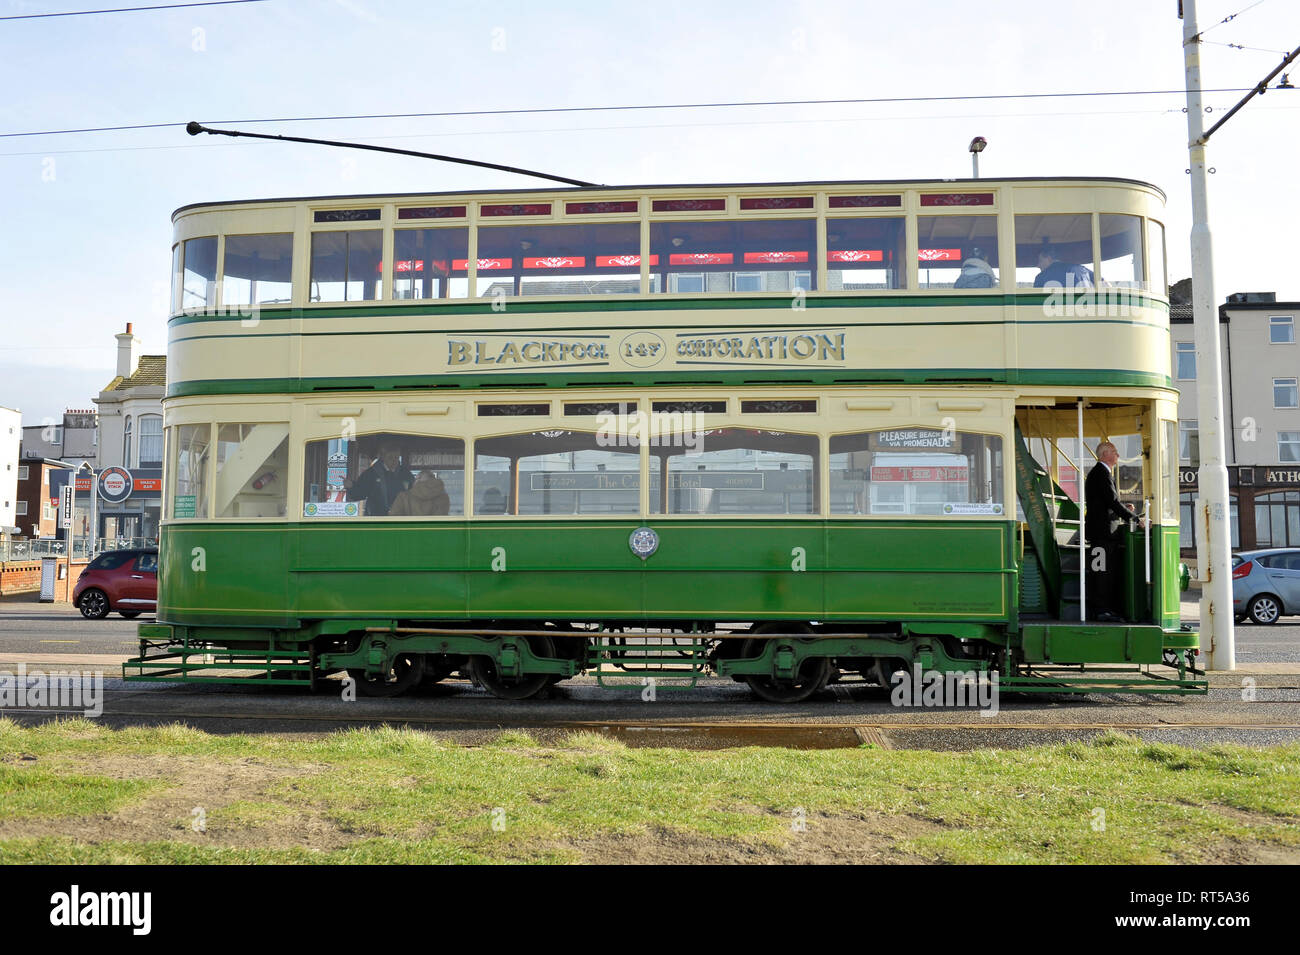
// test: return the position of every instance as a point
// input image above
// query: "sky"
(85, 246)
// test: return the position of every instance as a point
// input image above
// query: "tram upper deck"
(1039, 282)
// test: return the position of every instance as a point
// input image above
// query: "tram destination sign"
(906, 439)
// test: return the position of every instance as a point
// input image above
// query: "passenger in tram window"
(494, 502)
(426, 497)
(381, 483)
(1055, 273)
(976, 272)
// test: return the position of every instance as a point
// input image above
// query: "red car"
(125, 581)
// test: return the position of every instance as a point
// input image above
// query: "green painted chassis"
(287, 604)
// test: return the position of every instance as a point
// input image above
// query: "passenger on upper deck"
(1054, 272)
(976, 271)
(381, 483)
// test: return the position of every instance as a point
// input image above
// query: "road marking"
(60, 641)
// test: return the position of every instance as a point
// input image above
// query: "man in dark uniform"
(1104, 522)
(380, 483)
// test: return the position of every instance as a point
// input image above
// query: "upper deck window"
(764, 255)
(689, 205)
(199, 273)
(432, 212)
(865, 202)
(257, 269)
(865, 254)
(346, 215)
(957, 199)
(776, 202)
(1121, 251)
(424, 261)
(958, 251)
(1054, 251)
(346, 266)
(601, 208)
(559, 259)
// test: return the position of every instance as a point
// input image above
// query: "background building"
(131, 444)
(73, 439)
(11, 436)
(1261, 365)
(37, 514)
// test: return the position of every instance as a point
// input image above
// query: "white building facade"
(11, 439)
(1261, 399)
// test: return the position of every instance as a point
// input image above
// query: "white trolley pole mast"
(1216, 595)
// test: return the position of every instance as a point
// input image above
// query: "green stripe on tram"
(813, 300)
(1073, 377)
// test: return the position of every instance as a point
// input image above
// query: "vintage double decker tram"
(786, 433)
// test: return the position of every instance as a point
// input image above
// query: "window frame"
(1179, 352)
(1295, 391)
(1286, 321)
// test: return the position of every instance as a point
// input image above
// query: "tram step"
(190, 663)
(667, 662)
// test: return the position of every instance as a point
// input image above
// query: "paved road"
(715, 713)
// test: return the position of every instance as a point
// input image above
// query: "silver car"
(1266, 584)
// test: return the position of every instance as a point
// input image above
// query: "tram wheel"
(406, 672)
(484, 670)
(813, 673)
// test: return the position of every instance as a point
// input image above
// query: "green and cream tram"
(786, 433)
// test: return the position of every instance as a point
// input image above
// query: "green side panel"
(216, 574)
(279, 575)
(1167, 593)
(1074, 643)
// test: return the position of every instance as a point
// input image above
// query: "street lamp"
(976, 147)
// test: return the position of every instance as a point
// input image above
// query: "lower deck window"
(734, 471)
(252, 464)
(916, 471)
(555, 472)
(384, 475)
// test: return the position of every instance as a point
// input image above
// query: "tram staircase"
(1049, 579)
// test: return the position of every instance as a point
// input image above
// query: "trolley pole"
(1216, 593)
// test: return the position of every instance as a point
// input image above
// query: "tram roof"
(581, 190)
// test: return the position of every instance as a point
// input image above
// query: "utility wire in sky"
(162, 6)
(630, 108)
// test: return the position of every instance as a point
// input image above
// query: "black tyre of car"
(93, 604)
(129, 614)
(1265, 608)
